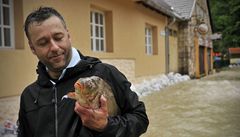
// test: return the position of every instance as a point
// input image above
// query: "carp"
(88, 91)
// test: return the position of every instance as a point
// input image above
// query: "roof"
(159, 6)
(183, 7)
(180, 9)
(234, 50)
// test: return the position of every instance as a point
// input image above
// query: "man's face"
(50, 42)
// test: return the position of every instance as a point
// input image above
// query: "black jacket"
(43, 113)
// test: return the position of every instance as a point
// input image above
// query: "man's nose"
(53, 45)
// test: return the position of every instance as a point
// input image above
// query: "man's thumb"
(103, 103)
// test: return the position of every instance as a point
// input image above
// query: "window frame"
(101, 31)
(149, 40)
(10, 6)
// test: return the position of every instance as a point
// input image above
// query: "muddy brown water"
(207, 107)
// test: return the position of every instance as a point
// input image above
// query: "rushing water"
(209, 107)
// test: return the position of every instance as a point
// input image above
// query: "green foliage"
(226, 20)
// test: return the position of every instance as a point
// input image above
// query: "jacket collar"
(74, 60)
(83, 63)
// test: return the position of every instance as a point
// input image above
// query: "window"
(151, 40)
(6, 24)
(148, 40)
(97, 22)
(173, 32)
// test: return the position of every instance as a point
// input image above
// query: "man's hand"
(95, 119)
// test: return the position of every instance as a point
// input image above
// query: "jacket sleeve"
(133, 120)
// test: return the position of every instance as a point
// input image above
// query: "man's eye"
(42, 43)
(58, 37)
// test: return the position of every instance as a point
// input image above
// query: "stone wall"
(183, 48)
(126, 66)
(186, 48)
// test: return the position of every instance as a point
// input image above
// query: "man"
(43, 112)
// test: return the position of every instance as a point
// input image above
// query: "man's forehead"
(41, 30)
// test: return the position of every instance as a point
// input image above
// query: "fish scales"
(88, 91)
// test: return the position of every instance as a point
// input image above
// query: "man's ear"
(32, 47)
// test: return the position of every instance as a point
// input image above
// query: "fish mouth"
(79, 86)
(84, 91)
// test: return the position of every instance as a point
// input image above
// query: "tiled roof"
(158, 5)
(162, 3)
(179, 9)
(183, 8)
(234, 50)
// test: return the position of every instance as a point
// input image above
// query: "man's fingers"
(79, 109)
(103, 104)
(95, 119)
(76, 108)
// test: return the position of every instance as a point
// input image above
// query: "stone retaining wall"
(126, 66)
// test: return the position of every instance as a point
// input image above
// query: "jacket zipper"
(56, 110)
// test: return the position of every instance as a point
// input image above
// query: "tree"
(226, 20)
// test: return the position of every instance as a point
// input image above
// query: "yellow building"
(125, 33)
(140, 37)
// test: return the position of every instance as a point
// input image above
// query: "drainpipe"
(167, 51)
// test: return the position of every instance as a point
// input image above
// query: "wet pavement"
(206, 107)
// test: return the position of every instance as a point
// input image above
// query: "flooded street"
(207, 107)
